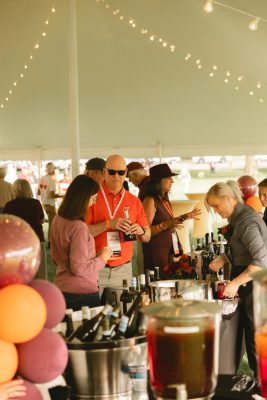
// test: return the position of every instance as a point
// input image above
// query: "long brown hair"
(76, 200)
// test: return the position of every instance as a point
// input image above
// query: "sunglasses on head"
(120, 172)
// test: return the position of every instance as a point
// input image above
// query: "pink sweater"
(73, 252)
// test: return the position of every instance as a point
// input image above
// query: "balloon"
(22, 315)
(19, 251)
(54, 300)
(42, 358)
(32, 392)
(254, 202)
(248, 186)
(8, 361)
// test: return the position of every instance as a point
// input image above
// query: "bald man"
(107, 222)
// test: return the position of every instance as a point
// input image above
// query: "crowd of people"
(89, 234)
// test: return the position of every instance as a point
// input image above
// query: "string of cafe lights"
(28, 62)
(229, 78)
(254, 22)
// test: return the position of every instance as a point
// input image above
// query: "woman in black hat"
(164, 243)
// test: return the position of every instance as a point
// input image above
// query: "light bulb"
(208, 7)
(258, 85)
(253, 25)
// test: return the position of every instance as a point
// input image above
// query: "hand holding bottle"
(105, 253)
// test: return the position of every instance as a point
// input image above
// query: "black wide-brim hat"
(160, 171)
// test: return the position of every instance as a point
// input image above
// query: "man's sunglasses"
(120, 172)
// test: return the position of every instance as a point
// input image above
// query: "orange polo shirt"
(99, 212)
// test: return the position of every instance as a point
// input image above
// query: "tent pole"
(74, 91)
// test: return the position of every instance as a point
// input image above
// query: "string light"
(208, 6)
(253, 25)
(26, 66)
(161, 41)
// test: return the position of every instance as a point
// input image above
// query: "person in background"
(6, 192)
(26, 207)
(164, 243)
(12, 389)
(73, 246)
(263, 197)
(248, 187)
(47, 190)
(94, 168)
(137, 175)
(248, 253)
(107, 223)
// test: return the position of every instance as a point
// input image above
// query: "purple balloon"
(42, 358)
(54, 300)
(19, 251)
(32, 393)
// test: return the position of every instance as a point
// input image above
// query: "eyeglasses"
(120, 172)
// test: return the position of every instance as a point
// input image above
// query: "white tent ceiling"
(136, 97)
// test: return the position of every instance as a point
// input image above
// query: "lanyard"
(111, 216)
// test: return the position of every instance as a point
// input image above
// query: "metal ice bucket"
(100, 370)
(189, 289)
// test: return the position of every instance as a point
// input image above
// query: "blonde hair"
(223, 189)
(2, 172)
(22, 189)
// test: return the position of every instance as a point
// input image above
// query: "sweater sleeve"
(83, 260)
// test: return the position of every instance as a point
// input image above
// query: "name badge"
(175, 243)
(113, 241)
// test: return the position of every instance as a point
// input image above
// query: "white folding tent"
(156, 78)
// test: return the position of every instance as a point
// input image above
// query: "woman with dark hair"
(26, 207)
(73, 246)
(164, 243)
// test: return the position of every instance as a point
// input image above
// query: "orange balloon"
(8, 361)
(23, 313)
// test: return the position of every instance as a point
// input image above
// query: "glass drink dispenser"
(183, 347)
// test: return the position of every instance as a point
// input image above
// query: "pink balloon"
(42, 358)
(19, 251)
(32, 393)
(54, 300)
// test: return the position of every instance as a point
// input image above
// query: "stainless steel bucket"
(100, 370)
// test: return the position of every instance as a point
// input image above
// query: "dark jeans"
(76, 301)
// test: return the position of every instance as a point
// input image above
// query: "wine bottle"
(152, 275)
(86, 314)
(221, 270)
(199, 245)
(105, 327)
(125, 298)
(133, 289)
(134, 316)
(69, 323)
(194, 274)
(157, 277)
(87, 331)
(128, 236)
(122, 327)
